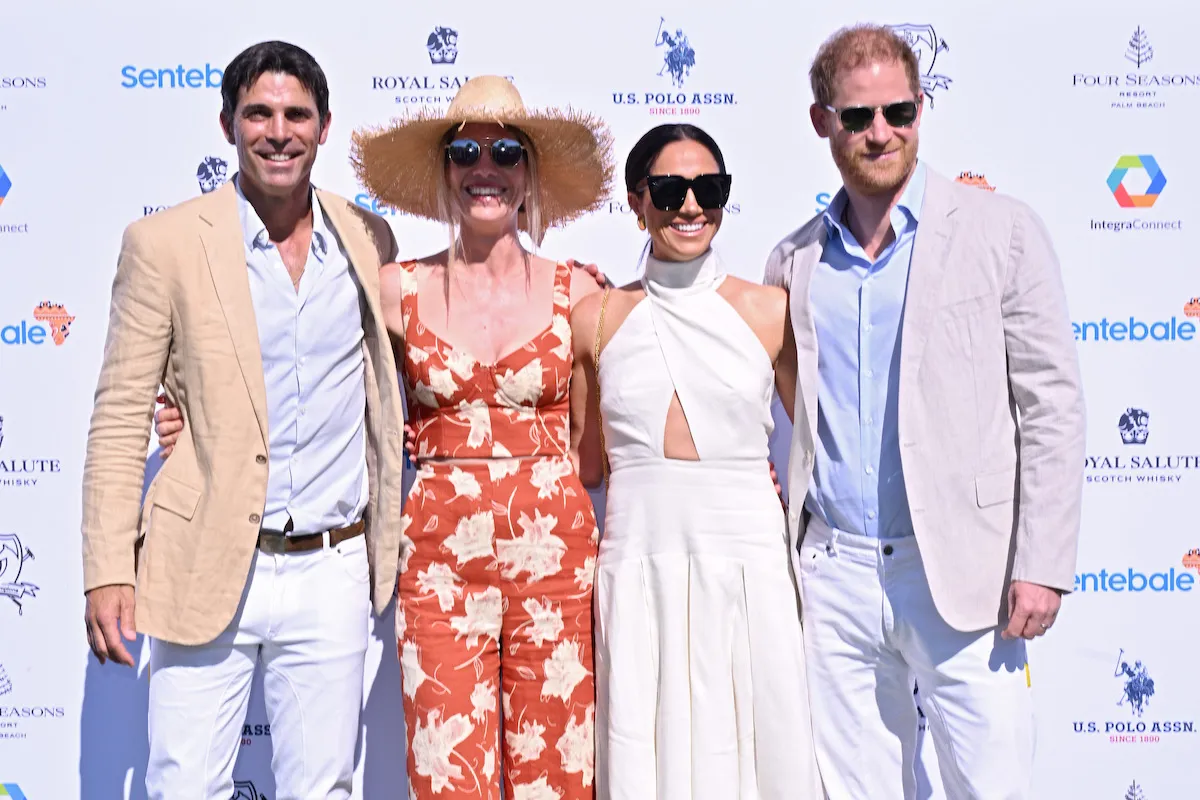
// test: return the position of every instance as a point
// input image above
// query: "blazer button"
(255, 518)
(260, 459)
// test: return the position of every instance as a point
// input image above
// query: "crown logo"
(442, 45)
(1134, 426)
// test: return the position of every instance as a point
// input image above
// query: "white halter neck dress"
(700, 676)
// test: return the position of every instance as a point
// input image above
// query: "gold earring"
(641, 224)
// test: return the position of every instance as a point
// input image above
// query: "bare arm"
(785, 365)
(586, 449)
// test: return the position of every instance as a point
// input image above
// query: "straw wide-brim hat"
(402, 163)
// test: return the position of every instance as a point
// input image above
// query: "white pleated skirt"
(700, 674)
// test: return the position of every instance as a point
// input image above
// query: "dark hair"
(250, 64)
(637, 165)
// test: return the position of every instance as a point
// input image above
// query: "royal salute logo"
(974, 179)
(212, 174)
(927, 46)
(25, 472)
(676, 58)
(1147, 85)
(14, 573)
(1133, 720)
(418, 87)
(442, 45)
(1137, 461)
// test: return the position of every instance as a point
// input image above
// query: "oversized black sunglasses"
(669, 192)
(505, 152)
(856, 119)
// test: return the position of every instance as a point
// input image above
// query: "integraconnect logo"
(177, 77)
(1136, 182)
(678, 60)
(6, 185)
(11, 790)
(1136, 693)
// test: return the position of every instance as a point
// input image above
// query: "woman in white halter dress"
(700, 675)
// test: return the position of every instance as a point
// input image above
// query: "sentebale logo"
(1116, 181)
(178, 77)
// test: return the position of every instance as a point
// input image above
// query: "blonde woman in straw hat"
(495, 585)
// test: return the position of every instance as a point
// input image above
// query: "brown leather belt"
(281, 542)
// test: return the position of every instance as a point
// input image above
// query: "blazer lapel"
(225, 249)
(363, 259)
(934, 232)
(804, 327)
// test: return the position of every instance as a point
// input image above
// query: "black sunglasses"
(466, 152)
(669, 192)
(858, 118)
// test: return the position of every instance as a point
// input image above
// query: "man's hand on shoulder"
(108, 617)
(590, 269)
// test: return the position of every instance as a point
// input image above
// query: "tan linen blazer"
(182, 316)
(991, 409)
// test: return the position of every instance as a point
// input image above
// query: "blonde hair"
(532, 206)
(857, 46)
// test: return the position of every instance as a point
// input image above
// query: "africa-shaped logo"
(1192, 307)
(56, 318)
(1191, 559)
(974, 179)
(1116, 181)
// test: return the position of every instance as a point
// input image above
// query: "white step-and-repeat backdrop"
(1083, 109)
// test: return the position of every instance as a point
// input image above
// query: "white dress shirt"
(311, 341)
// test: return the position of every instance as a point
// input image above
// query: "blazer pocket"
(992, 488)
(176, 497)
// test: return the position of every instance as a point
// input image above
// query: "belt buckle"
(272, 542)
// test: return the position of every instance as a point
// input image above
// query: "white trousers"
(306, 617)
(870, 630)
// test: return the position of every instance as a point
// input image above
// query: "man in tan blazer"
(276, 524)
(936, 464)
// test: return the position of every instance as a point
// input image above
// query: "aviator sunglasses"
(856, 119)
(669, 192)
(466, 152)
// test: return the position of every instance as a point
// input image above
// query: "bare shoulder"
(755, 301)
(583, 285)
(391, 283)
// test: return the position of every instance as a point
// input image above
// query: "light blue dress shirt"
(311, 342)
(858, 306)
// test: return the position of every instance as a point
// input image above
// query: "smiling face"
(688, 232)
(879, 159)
(277, 130)
(486, 195)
